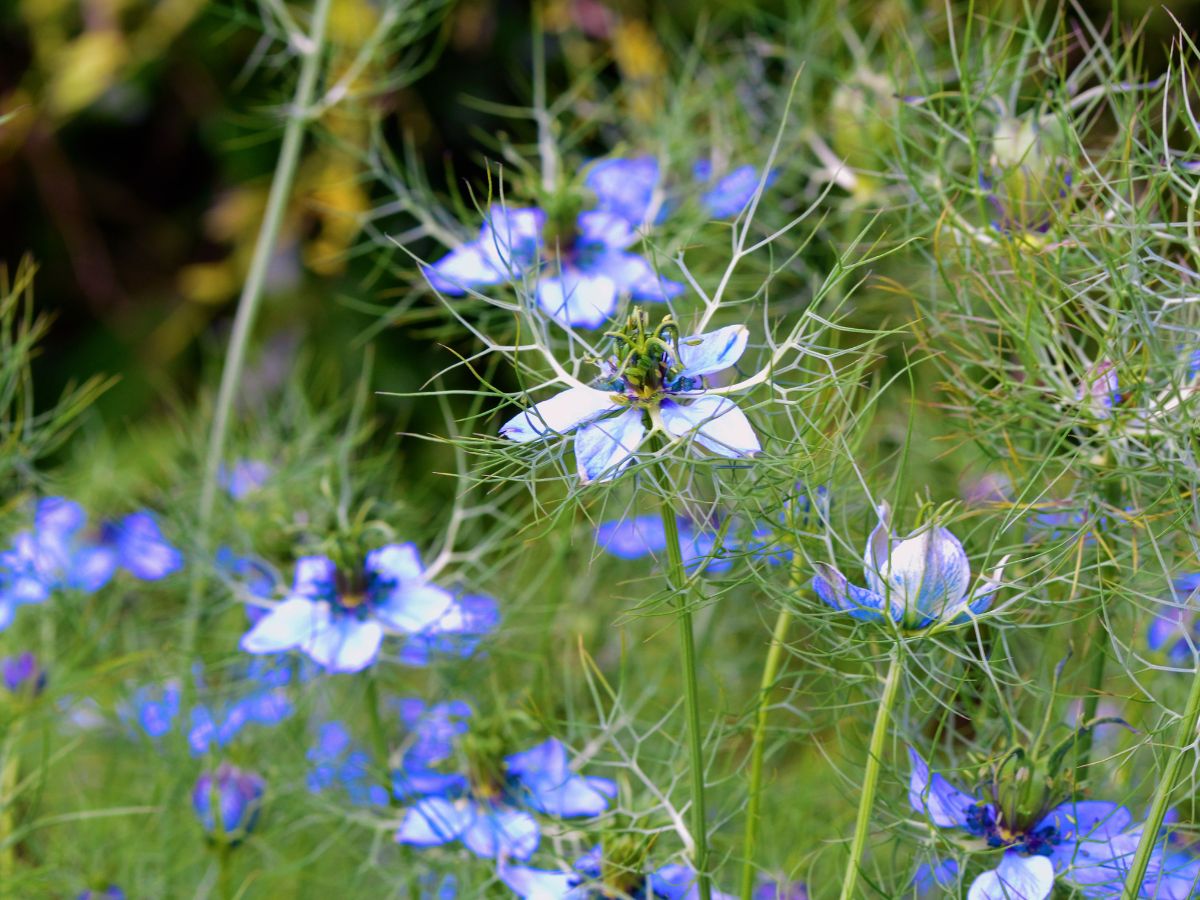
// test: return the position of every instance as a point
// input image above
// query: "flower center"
(645, 363)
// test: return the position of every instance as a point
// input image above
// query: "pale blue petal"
(143, 550)
(1016, 878)
(633, 538)
(610, 231)
(316, 578)
(59, 517)
(431, 822)
(499, 831)
(604, 448)
(624, 187)
(413, 608)
(461, 269)
(704, 354)
(946, 805)
(91, 569)
(578, 299)
(549, 786)
(633, 275)
(293, 623)
(394, 563)
(511, 238)
(561, 413)
(831, 586)
(732, 193)
(347, 645)
(536, 884)
(716, 423)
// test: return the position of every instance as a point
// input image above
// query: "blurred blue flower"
(657, 383)
(625, 187)
(244, 477)
(52, 556)
(643, 536)
(112, 892)
(338, 618)
(585, 880)
(935, 880)
(732, 192)
(488, 808)
(153, 709)
(140, 547)
(238, 795)
(781, 890)
(580, 275)
(459, 633)
(1086, 843)
(22, 675)
(1174, 630)
(338, 762)
(251, 574)
(916, 581)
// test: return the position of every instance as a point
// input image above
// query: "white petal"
(562, 412)
(604, 448)
(613, 231)
(462, 268)
(703, 354)
(718, 424)
(348, 645)
(293, 623)
(1016, 878)
(578, 299)
(414, 607)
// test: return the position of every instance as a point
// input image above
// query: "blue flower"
(22, 675)
(244, 477)
(489, 810)
(625, 187)
(52, 556)
(932, 880)
(112, 892)
(916, 581)
(1174, 630)
(643, 536)
(140, 547)
(1085, 843)
(731, 193)
(338, 762)
(238, 795)
(154, 709)
(668, 387)
(459, 632)
(338, 619)
(585, 880)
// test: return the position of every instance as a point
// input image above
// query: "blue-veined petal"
(1087, 819)
(1016, 878)
(511, 239)
(576, 298)
(549, 786)
(831, 586)
(717, 424)
(348, 644)
(461, 269)
(536, 884)
(946, 805)
(561, 413)
(316, 578)
(293, 623)
(925, 574)
(499, 831)
(625, 187)
(604, 448)
(433, 821)
(704, 354)
(413, 608)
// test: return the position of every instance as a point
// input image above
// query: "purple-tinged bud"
(238, 798)
(22, 675)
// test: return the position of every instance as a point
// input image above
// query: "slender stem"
(379, 737)
(248, 303)
(866, 800)
(758, 747)
(678, 578)
(1185, 741)
(224, 870)
(9, 772)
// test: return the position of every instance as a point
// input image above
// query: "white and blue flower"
(656, 378)
(916, 581)
(585, 880)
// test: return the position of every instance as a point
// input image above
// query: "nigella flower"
(338, 762)
(916, 581)
(244, 477)
(338, 618)
(488, 808)
(728, 195)
(228, 801)
(581, 273)
(655, 375)
(625, 187)
(140, 547)
(1087, 843)
(1174, 630)
(642, 536)
(22, 675)
(153, 709)
(594, 876)
(53, 555)
(112, 892)
(459, 633)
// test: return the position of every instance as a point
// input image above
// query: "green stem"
(866, 800)
(247, 310)
(379, 737)
(224, 870)
(1185, 740)
(678, 578)
(9, 772)
(758, 747)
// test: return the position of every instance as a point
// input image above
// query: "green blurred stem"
(9, 772)
(866, 800)
(379, 736)
(248, 303)
(758, 747)
(679, 584)
(224, 870)
(1184, 742)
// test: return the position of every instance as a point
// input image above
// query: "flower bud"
(22, 675)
